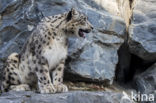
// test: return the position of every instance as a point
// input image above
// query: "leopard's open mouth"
(82, 31)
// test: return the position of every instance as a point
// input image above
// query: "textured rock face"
(142, 31)
(121, 8)
(124, 7)
(94, 57)
(111, 6)
(146, 82)
(71, 97)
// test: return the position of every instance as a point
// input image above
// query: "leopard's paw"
(61, 88)
(48, 89)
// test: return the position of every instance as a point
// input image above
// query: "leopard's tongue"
(81, 34)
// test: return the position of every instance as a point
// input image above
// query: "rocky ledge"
(70, 97)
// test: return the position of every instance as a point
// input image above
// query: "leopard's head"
(77, 23)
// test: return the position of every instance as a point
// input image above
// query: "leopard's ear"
(69, 16)
(71, 13)
(73, 10)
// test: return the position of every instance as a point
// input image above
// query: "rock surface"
(121, 8)
(146, 82)
(71, 97)
(94, 57)
(142, 31)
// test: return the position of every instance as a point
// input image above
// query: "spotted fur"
(44, 53)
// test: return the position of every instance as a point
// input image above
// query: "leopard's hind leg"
(11, 79)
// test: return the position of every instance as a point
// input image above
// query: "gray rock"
(94, 57)
(146, 82)
(142, 31)
(70, 97)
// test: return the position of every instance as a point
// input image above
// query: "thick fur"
(43, 54)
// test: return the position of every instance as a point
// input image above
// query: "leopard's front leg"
(58, 78)
(44, 81)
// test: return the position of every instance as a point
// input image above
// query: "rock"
(142, 38)
(111, 6)
(70, 97)
(121, 8)
(94, 57)
(146, 82)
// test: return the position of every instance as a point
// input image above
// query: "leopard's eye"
(85, 18)
(81, 17)
(82, 22)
